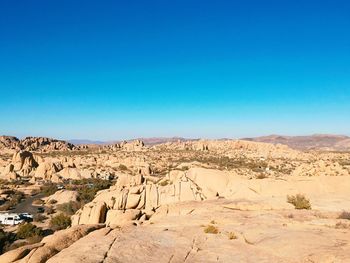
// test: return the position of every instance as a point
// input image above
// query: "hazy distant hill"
(317, 141)
(147, 141)
(159, 140)
(82, 141)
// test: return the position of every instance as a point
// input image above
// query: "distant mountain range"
(83, 141)
(327, 142)
(316, 141)
(147, 141)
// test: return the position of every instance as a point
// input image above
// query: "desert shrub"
(52, 201)
(344, 215)
(49, 210)
(39, 218)
(28, 230)
(164, 183)
(60, 221)
(299, 201)
(6, 238)
(341, 225)
(69, 208)
(48, 189)
(232, 235)
(87, 194)
(122, 167)
(210, 229)
(15, 198)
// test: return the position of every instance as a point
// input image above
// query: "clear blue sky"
(123, 69)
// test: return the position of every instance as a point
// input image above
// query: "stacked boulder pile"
(45, 144)
(130, 146)
(321, 168)
(40, 144)
(136, 198)
(248, 148)
(34, 167)
(22, 164)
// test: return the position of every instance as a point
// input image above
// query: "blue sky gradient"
(112, 70)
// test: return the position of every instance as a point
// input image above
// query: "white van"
(10, 219)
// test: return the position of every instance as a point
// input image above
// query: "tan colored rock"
(16, 254)
(70, 173)
(212, 182)
(60, 240)
(98, 213)
(92, 248)
(120, 217)
(23, 162)
(63, 196)
(45, 170)
(132, 201)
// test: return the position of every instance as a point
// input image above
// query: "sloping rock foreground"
(177, 233)
(134, 198)
(49, 246)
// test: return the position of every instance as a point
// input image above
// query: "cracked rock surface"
(178, 233)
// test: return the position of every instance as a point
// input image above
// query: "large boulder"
(24, 162)
(46, 169)
(59, 241)
(211, 182)
(63, 196)
(70, 173)
(17, 254)
(49, 246)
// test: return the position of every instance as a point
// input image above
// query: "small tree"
(69, 208)
(28, 230)
(60, 221)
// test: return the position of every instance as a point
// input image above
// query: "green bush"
(60, 221)
(48, 189)
(15, 198)
(87, 193)
(6, 238)
(299, 201)
(52, 201)
(69, 208)
(28, 230)
(49, 210)
(39, 218)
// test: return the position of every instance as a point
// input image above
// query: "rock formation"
(41, 144)
(8, 142)
(22, 164)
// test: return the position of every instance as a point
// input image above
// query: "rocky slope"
(249, 221)
(194, 201)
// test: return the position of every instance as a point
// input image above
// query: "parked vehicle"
(10, 219)
(26, 217)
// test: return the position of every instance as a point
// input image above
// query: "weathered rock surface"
(35, 144)
(176, 234)
(63, 196)
(49, 246)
